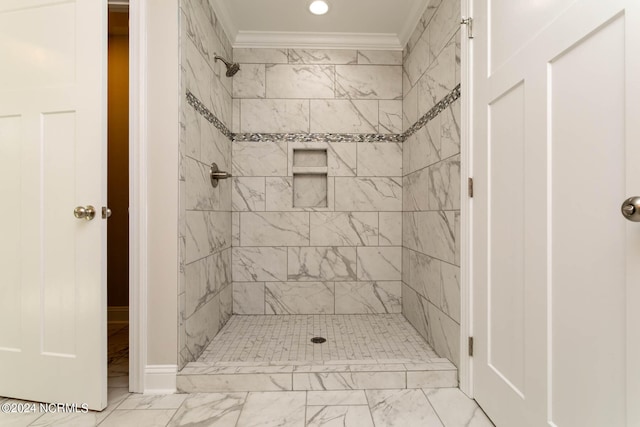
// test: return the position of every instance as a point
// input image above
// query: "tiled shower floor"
(358, 338)
(274, 352)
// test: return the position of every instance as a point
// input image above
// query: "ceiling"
(364, 24)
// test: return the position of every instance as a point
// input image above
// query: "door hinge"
(470, 346)
(469, 23)
(470, 187)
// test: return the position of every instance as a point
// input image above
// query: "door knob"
(88, 212)
(631, 209)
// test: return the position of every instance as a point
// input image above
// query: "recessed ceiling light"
(318, 7)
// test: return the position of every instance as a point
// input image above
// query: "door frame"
(465, 370)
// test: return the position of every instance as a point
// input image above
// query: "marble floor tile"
(154, 401)
(135, 418)
(402, 408)
(280, 409)
(455, 409)
(210, 409)
(337, 397)
(339, 416)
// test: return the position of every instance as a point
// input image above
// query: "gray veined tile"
(198, 74)
(415, 188)
(235, 118)
(422, 148)
(443, 26)
(274, 115)
(248, 298)
(300, 81)
(145, 401)
(344, 116)
(380, 57)
(418, 60)
(283, 409)
(368, 297)
(409, 109)
(380, 159)
(390, 116)
(235, 228)
(274, 229)
(207, 232)
(348, 380)
(260, 56)
(379, 263)
(202, 326)
(434, 379)
(192, 131)
(215, 146)
(451, 290)
(439, 79)
(259, 158)
(336, 397)
(431, 233)
(425, 276)
(250, 82)
(344, 228)
(134, 418)
(280, 195)
(259, 264)
(369, 81)
(450, 130)
(401, 408)
(414, 308)
(322, 56)
(444, 333)
(342, 158)
(390, 224)
(321, 264)
(456, 409)
(345, 416)
(368, 194)
(248, 194)
(219, 409)
(299, 298)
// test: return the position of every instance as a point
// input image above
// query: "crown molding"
(301, 40)
(410, 25)
(224, 19)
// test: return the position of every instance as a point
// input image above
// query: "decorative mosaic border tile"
(444, 103)
(319, 137)
(204, 111)
(433, 112)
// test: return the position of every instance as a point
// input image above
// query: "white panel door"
(52, 159)
(555, 265)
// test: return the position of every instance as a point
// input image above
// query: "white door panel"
(555, 265)
(52, 159)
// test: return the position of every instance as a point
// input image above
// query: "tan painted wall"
(162, 180)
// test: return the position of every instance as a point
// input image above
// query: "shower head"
(232, 67)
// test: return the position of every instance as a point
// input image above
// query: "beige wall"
(162, 180)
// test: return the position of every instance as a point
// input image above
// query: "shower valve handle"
(217, 174)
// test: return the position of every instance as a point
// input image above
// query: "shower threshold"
(275, 352)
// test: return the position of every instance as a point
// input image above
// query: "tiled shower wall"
(344, 257)
(205, 297)
(431, 181)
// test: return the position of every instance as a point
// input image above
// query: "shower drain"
(318, 340)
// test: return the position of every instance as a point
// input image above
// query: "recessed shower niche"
(310, 178)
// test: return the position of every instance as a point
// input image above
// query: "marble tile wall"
(205, 297)
(431, 180)
(344, 257)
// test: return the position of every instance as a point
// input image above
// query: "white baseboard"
(160, 379)
(118, 314)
